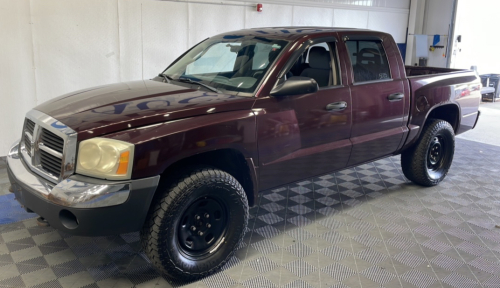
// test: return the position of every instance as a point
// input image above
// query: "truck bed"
(413, 71)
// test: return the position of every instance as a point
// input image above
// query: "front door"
(378, 97)
(306, 135)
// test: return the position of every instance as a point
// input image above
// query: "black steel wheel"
(202, 227)
(195, 225)
(428, 161)
(435, 154)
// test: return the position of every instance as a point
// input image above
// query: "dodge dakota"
(181, 157)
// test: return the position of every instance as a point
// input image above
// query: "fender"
(160, 145)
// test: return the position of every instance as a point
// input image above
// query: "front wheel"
(195, 226)
(428, 162)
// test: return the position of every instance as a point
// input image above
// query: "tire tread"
(413, 160)
(165, 207)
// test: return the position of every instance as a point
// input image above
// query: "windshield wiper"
(191, 81)
(165, 77)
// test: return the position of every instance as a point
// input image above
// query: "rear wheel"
(195, 226)
(428, 162)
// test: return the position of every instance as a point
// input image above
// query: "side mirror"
(295, 86)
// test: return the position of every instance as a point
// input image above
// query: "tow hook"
(42, 222)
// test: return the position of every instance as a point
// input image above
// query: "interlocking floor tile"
(418, 278)
(362, 226)
(446, 262)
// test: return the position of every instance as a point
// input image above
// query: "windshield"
(231, 64)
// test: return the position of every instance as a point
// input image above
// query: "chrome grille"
(52, 141)
(48, 146)
(27, 142)
(51, 150)
(29, 127)
(50, 163)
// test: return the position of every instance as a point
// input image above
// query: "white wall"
(477, 23)
(17, 80)
(52, 47)
(74, 50)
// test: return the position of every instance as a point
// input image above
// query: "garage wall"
(430, 17)
(438, 18)
(52, 47)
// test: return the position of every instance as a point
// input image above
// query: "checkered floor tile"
(363, 227)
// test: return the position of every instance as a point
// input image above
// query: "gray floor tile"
(363, 226)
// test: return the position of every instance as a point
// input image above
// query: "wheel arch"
(229, 160)
(448, 112)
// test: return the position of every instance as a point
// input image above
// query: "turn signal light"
(123, 166)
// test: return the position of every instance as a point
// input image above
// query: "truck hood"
(106, 109)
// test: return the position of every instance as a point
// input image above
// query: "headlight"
(105, 158)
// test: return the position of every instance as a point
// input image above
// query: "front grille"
(50, 163)
(29, 127)
(52, 141)
(27, 144)
(48, 149)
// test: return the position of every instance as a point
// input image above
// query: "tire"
(428, 161)
(211, 201)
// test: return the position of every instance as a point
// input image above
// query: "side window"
(264, 54)
(324, 45)
(261, 57)
(318, 62)
(368, 60)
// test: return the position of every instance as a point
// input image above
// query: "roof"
(288, 32)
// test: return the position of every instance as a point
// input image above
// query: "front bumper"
(82, 205)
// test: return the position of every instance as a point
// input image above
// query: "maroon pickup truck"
(181, 157)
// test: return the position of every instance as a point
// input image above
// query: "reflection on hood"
(131, 104)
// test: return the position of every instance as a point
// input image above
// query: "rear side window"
(368, 60)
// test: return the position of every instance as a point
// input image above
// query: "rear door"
(378, 94)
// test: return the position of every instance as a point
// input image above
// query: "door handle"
(337, 106)
(396, 97)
